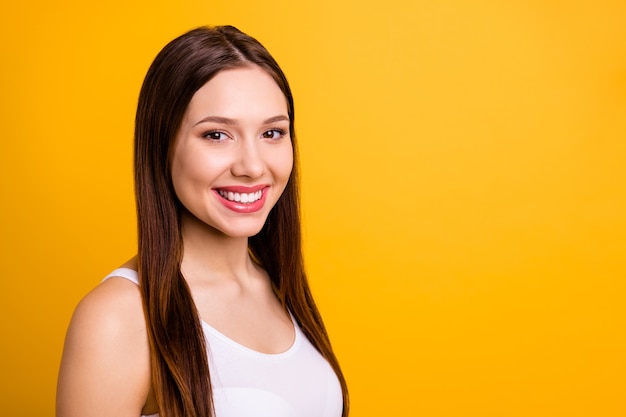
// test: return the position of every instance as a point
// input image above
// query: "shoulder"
(105, 362)
(113, 308)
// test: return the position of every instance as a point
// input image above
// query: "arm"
(105, 369)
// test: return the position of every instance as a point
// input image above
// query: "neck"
(209, 255)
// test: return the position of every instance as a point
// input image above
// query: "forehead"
(239, 93)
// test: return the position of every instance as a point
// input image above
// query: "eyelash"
(208, 135)
(279, 133)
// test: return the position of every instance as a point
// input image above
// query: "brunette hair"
(179, 364)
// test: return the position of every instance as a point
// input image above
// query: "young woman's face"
(233, 155)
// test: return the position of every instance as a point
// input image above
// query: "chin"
(240, 232)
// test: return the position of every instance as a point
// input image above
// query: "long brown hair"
(180, 372)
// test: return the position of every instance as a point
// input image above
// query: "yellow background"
(464, 180)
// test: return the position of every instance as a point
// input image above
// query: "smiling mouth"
(245, 198)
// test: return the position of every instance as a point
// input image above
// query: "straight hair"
(178, 351)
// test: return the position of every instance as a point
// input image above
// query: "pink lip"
(243, 207)
(242, 188)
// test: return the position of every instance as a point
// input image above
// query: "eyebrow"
(227, 121)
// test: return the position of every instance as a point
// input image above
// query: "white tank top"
(246, 383)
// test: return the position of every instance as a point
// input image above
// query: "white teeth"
(245, 198)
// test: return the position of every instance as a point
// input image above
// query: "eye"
(215, 135)
(274, 134)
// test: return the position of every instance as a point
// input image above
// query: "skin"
(235, 133)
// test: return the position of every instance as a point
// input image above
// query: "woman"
(214, 316)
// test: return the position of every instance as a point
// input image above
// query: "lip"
(243, 207)
(242, 188)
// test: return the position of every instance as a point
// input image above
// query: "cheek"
(283, 162)
(180, 181)
(184, 173)
(192, 172)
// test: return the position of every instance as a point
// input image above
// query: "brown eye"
(215, 135)
(273, 134)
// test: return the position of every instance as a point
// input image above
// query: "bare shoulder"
(105, 369)
(111, 312)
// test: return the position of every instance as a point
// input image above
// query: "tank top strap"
(129, 274)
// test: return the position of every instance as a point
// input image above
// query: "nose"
(248, 160)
